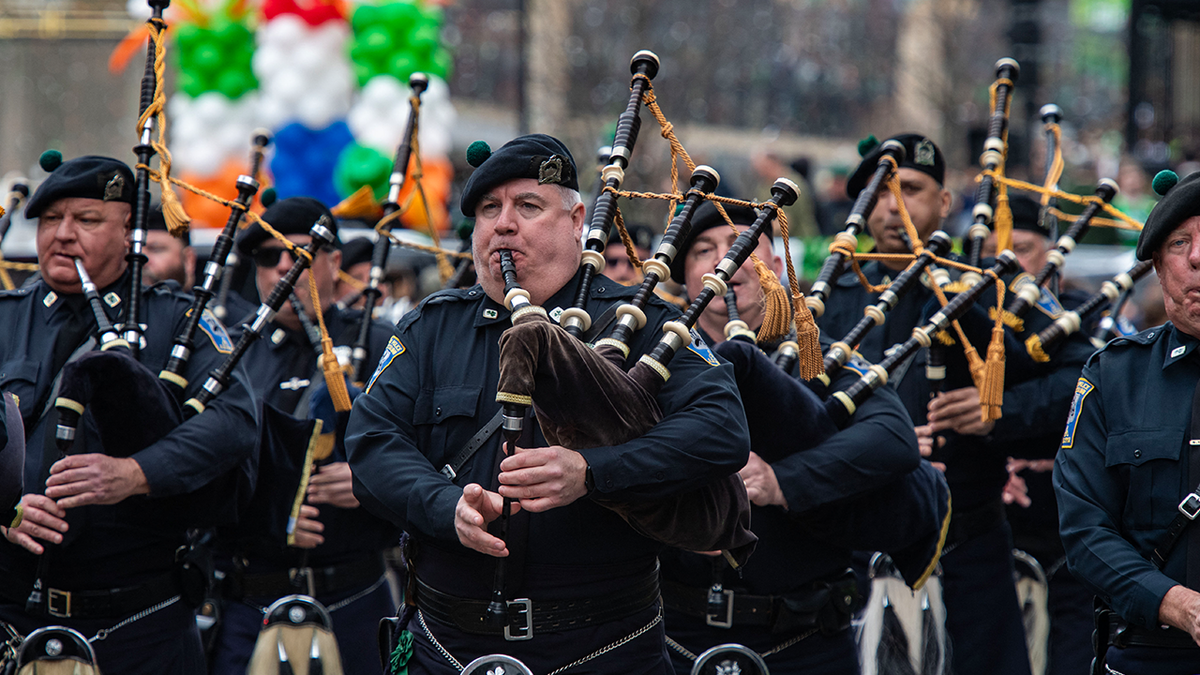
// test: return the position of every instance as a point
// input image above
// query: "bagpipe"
(995, 147)
(359, 353)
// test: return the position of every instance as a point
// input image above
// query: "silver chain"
(774, 650)
(599, 652)
(438, 645)
(604, 650)
(335, 606)
(105, 632)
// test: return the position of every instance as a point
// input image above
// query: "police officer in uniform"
(104, 535)
(1129, 459)
(794, 599)
(982, 615)
(590, 580)
(337, 554)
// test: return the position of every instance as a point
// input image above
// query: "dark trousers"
(643, 655)
(1154, 661)
(355, 625)
(817, 654)
(166, 642)
(983, 618)
(1071, 625)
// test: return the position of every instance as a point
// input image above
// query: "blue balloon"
(305, 159)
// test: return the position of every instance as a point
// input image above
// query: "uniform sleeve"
(392, 478)
(1091, 499)
(876, 448)
(209, 444)
(702, 437)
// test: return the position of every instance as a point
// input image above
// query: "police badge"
(551, 171)
(114, 187)
(923, 153)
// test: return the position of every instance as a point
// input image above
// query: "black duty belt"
(313, 581)
(527, 617)
(825, 604)
(102, 604)
(966, 525)
(1122, 635)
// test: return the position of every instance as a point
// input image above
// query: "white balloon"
(179, 105)
(138, 9)
(383, 92)
(212, 108)
(317, 112)
(435, 141)
(268, 60)
(330, 37)
(274, 113)
(285, 31)
(203, 158)
(288, 86)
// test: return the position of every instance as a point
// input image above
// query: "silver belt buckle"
(305, 573)
(727, 622)
(59, 603)
(1190, 506)
(521, 605)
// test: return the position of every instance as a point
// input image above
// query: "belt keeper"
(720, 607)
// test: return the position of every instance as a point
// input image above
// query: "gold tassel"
(1003, 223)
(959, 286)
(1008, 319)
(334, 379)
(178, 221)
(333, 374)
(776, 313)
(808, 338)
(361, 205)
(945, 338)
(1034, 346)
(991, 389)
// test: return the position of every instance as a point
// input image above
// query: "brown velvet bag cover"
(583, 399)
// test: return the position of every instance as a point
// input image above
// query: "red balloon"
(313, 12)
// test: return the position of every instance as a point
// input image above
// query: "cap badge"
(923, 153)
(114, 188)
(551, 171)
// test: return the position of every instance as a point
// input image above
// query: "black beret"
(89, 177)
(294, 215)
(920, 153)
(705, 218)
(537, 156)
(156, 221)
(355, 251)
(640, 233)
(1026, 214)
(1180, 203)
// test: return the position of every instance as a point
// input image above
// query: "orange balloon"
(438, 173)
(204, 211)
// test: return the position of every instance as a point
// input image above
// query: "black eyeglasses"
(269, 257)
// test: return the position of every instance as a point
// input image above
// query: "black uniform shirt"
(436, 386)
(283, 368)
(126, 543)
(876, 448)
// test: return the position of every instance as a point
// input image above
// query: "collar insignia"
(490, 314)
(1178, 351)
(50, 299)
(278, 336)
(551, 171)
(294, 384)
(923, 153)
(114, 188)
(112, 299)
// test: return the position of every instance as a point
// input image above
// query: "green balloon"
(442, 64)
(208, 59)
(235, 82)
(424, 41)
(359, 165)
(189, 84)
(187, 37)
(378, 40)
(400, 15)
(401, 65)
(364, 17)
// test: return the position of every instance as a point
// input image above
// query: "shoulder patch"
(701, 348)
(1082, 389)
(215, 331)
(1049, 304)
(394, 348)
